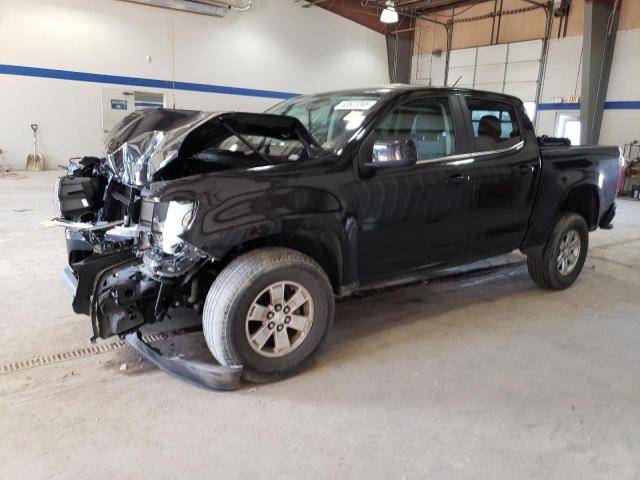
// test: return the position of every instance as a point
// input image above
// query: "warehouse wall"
(510, 68)
(562, 80)
(274, 47)
(622, 125)
(621, 121)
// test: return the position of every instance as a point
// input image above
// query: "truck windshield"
(330, 119)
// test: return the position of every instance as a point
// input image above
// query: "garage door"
(509, 68)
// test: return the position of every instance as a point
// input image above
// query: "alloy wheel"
(279, 319)
(569, 252)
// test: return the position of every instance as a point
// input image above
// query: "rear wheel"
(563, 256)
(269, 310)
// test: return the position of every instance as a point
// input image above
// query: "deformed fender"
(200, 374)
(267, 207)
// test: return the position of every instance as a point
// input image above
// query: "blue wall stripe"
(207, 88)
(629, 105)
(559, 106)
(620, 105)
(139, 82)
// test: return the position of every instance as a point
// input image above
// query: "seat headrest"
(431, 122)
(490, 126)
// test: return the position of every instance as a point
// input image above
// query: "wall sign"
(118, 104)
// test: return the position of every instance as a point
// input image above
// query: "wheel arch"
(552, 200)
(324, 248)
(585, 201)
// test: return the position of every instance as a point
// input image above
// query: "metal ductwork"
(203, 7)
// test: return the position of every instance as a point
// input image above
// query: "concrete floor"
(481, 377)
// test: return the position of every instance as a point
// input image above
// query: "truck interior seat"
(489, 132)
(429, 134)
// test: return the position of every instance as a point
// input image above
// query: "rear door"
(416, 216)
(507, 167)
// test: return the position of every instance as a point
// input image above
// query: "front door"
(416, 216)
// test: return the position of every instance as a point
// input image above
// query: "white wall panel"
(525, 91)
(490, 87)
(522, 72)
(254, 49)
(492, 54)
(461, 75)
(517, 64)
(624, 81)
(562, 74)
(465, 57)
(562, 78)
(623, 126)
(620, 127)
(525, 51)
(437, 71)
(421, 68)
(490, 73)
(546, 123)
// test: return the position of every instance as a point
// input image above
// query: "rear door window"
(495, 124)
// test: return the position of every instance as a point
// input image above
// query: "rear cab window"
(494, 124)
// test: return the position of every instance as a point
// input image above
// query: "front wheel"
(268, 310)
(563, 256)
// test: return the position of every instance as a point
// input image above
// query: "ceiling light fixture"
(389, 14)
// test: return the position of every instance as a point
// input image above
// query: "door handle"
(525, 169)
(458, 179)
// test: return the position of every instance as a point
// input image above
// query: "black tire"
(233, 293)
(543, 268)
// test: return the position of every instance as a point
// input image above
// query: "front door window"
(427, 122)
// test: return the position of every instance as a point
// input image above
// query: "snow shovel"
(35, 161)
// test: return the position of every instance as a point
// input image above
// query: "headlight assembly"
(177, 221)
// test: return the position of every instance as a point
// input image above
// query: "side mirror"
(393, 153)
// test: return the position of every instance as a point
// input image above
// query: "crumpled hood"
(148, 140)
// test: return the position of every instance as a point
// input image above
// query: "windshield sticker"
(354, 119)
(355, 105)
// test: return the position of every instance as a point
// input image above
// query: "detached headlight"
(177, 221)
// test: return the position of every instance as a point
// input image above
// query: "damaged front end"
(162, 272)
(127, 273)
(129, 262)
(133, 275)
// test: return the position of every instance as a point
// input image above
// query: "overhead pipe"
(202, 7)
(228, 6)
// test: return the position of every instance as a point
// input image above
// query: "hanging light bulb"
(389, 14)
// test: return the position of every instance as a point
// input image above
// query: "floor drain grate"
(42, 360)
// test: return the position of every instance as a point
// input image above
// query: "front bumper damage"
(110, 284)
(200, 374)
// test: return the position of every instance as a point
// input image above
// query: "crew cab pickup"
(259, 221)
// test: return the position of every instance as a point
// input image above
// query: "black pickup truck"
(259, 220)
